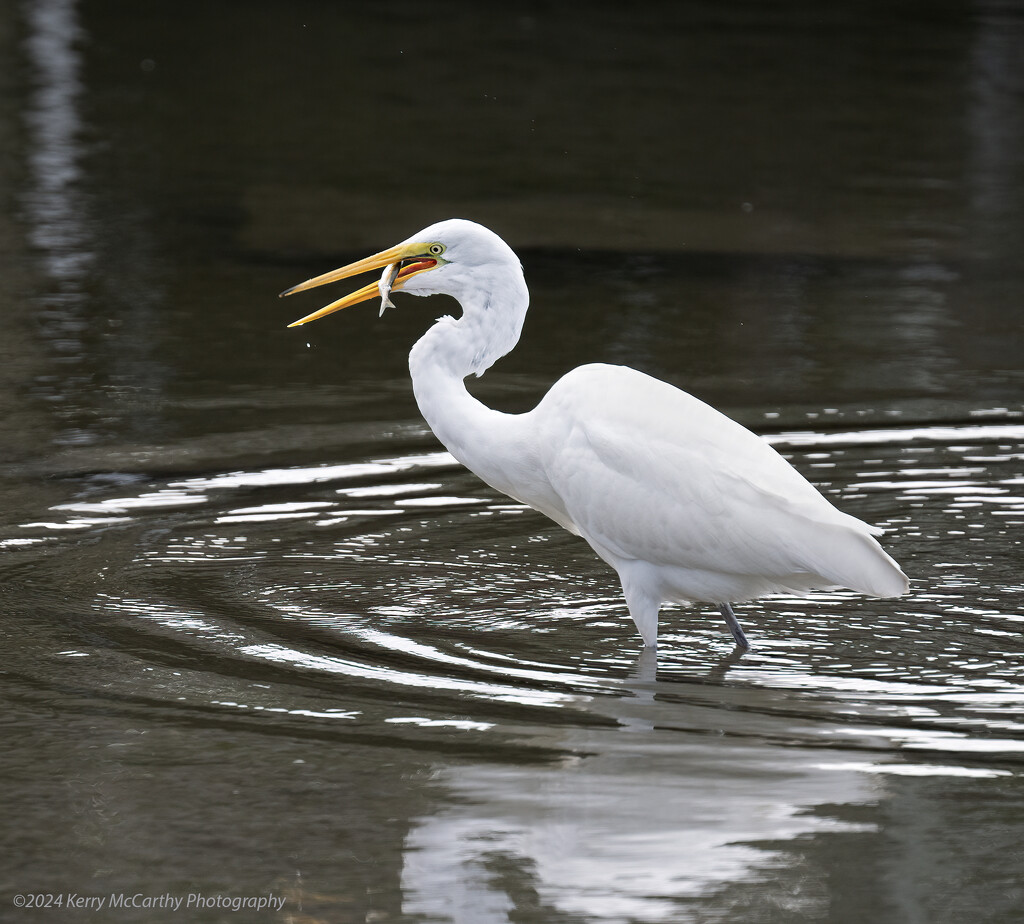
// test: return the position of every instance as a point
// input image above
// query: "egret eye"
(435, 250)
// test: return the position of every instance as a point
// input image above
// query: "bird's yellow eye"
(435, 250)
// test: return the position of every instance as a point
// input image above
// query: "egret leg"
(734, 625)
(643, 608)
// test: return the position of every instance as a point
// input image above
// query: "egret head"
(442, 259)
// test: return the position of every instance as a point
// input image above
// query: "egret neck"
(494, 305)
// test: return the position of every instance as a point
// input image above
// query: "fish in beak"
(400, 264)
(386, 284)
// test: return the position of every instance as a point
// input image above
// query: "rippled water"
(261, 634)
(393, 602)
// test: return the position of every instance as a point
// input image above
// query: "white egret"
(684, 503)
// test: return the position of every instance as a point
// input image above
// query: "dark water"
(261, 635)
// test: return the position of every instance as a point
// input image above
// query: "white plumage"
(684, 503)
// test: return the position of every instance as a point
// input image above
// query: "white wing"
(647, 473)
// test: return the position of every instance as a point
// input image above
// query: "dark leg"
(734, 626)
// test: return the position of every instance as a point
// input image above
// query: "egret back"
(649, 474)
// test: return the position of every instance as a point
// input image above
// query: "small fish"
(387, 280)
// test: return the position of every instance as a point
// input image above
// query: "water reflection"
(625, 836)
(260, 634)
(57, 204)
(58, 207)
(997, 127)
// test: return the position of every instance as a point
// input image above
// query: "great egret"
(684, 503)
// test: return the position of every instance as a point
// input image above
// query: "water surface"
(263, 635)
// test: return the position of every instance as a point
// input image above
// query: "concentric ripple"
(402, 594)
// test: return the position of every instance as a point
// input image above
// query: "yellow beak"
(417, 253)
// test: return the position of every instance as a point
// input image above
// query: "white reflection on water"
(308, 713)
(268, 513)
(75, 523)
(394, 677)
(934, 434)
(55, 204)
(313, 474)
(464, 724)
(615, 836)
(167, 497)
(980, 773)
(936, 740)
(171, 618)
(390, 490)
(688, 796)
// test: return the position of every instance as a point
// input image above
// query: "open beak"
(411, 260)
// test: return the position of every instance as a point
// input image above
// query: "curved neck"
(453, 349)
(494, 299)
